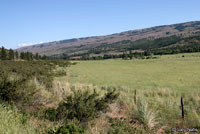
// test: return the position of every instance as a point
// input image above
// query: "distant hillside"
(154, 38)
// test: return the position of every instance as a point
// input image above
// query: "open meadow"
(171, 72)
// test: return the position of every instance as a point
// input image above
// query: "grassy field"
(167, 72)
(37, 106)
(160, 84)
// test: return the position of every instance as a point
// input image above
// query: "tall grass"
(145, 116)
(156, 111)
(12, 122)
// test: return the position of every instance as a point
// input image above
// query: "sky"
(27, 22)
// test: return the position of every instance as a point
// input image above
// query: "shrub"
(51, 114)
(8, 87)
(70, 128)
(41, 70)
(85, 106)
(119, 127)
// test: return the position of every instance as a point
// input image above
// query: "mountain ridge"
(86, 44)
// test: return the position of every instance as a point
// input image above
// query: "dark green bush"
(9, 87)
(70, 128)
(60, 73)
(50, 114)
(85, 106)
(120, 127)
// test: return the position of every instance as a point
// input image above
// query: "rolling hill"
(154, 38)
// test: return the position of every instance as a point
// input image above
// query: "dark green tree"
(124, 56)
(22, 55)
(30, 56)
(40, 57)
(26, 56)
(11, 54)
(130, 55)
(16, 55)
(3, 53)
(65, 56)
(37, 56)
(44, 57)
(147, 53)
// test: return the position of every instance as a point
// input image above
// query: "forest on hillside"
(160, 46)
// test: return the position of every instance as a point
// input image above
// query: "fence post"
(135, 96)
(182, 108)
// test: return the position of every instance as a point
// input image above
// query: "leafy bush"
(119, 127)
(70, 128)
(85, 106)
(51, 114)
(8, 87)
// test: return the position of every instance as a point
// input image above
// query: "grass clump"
(144, 116)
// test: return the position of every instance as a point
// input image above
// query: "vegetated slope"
(149, 38)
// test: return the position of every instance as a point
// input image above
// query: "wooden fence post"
(182, 108)
(135, 97)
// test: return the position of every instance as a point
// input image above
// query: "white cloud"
(25, 44)
(28, 44)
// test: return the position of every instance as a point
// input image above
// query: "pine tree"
(30, 56)
(130, 54)
(147, 53)
(27, 56)
(44, 57)
(37, 56)
(11, 54)
(40, 57)
(3, 54)
(22, 55)
(16, 55)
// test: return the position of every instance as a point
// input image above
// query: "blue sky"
(26, 22)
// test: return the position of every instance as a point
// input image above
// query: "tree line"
(161, 46)
(126, 55)
(147, 54)
(15, 55)
(190, 46)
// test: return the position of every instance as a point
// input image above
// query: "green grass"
(167, 72)
(160, 82)
(13, 122)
